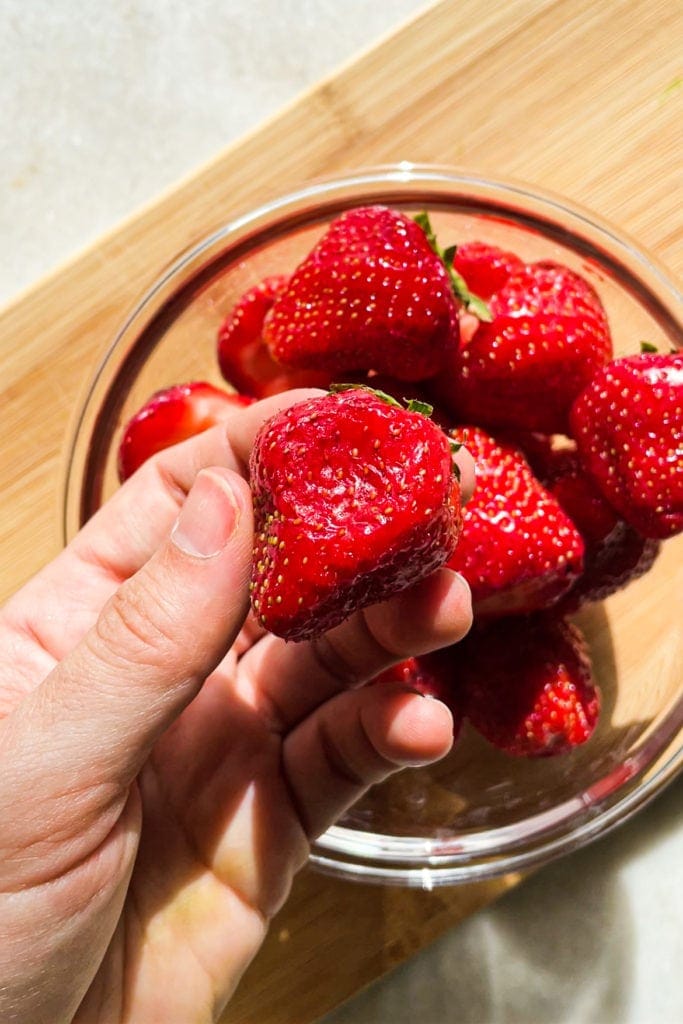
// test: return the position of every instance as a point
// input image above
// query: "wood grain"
(579, 97)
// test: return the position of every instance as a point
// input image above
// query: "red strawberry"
(170, 416)
(628, 426)
(243, 356)
(355, 498)
(621, 557)
(372, 295)
(528, 686)
(548, 337)
(519, 551)
(485, 267)
(431, 675)
(615, 553)
(581, 499)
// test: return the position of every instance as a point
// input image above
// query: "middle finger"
(287, 681)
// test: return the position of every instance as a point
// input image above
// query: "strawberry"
(372, 295)
(548, 337)
(519, 551)
(527, 685)
(628, 426)
(355, 498)
(621, 557)
(243, 356)
(170, 416)
(485, 267)
(615, 553)
(581, 499)
(432, 675)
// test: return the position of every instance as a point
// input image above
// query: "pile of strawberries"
(579, 458)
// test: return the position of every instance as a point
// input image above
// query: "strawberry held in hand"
(173, 415)
(372, 295)
(548, 337)
(519, 551)
(528, 686)
(355, 498)
(628, 426)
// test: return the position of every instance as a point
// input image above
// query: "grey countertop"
(102, 108)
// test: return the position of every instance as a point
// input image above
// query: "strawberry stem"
(471, 302)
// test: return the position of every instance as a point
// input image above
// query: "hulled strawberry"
(548, 337)
(355, 498)
(243, 356)
(372, 295)
(628, 426)
(528, 685)
(432, 675)
(172, 415)
(519, 551)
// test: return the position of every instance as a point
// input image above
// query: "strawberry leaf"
(647, 346)
(471, 302)
(455, 447)
(337, 389)
(415, 405)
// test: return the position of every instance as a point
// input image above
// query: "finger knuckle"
(136, 624)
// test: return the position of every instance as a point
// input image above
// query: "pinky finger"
(358, 739)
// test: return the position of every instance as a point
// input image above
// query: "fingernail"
(208, 518)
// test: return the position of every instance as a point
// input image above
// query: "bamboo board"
(579, 97)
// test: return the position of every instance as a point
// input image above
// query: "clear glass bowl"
(478, 813)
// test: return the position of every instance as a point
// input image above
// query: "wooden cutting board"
(579, 97)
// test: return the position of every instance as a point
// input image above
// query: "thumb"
(155, 642)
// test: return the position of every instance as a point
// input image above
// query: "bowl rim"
(415, 861)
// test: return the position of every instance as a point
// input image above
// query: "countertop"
(100, 114)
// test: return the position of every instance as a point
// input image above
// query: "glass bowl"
(478, 813)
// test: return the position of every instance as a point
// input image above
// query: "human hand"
(164, 764)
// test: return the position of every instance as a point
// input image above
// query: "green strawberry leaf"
(455, 447)
(471, 302)
(337, 389)
(415, 405)
(411, 404)
(449, 255)
(647, 346)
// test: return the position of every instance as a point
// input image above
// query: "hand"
(163, 763)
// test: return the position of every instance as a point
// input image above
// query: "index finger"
(126, 531)
(60, 604)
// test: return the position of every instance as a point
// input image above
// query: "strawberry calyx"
(472, 303)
